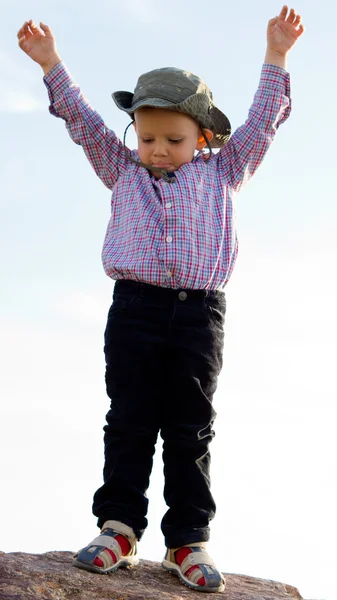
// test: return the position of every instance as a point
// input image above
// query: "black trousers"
(163, 351)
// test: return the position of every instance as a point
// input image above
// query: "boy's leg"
(134, 348)
(187, 430)
(187, 427)
(134, 358)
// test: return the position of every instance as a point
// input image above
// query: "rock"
(51, 576)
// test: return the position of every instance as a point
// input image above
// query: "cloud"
(18, 94)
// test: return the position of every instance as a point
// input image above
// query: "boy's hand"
(39, 44)
(283, 31)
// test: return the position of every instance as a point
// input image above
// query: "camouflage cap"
(175, 89)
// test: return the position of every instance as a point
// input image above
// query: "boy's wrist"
(50, 64)
(276, 58)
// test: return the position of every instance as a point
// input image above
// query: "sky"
(274, 455)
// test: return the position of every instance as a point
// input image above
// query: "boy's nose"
(160, 150)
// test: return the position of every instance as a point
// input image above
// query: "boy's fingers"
(24, 34)
(22, 29)
(33, 26)
(283, 12)
(46, 30)
(292, 16)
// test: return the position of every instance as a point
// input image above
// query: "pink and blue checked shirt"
(181, 234)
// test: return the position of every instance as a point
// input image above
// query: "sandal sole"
(174, 569)
(122, 564)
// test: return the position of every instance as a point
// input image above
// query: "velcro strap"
(121, 528)
(195, 575)
(108, 542)
(195, 559)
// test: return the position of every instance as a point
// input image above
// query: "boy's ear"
(201, 140)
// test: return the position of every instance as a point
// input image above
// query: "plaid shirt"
(181, 234)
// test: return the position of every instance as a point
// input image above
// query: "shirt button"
(182, 296)
(169, 274)
(168, 205)
(169, 239)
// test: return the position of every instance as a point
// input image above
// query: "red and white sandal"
(194, 567)
(116, 547)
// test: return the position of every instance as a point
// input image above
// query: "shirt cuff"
(272, 75)
(58, 78)
(56, 81)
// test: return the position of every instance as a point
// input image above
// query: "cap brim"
(221, 126)
(123, 101)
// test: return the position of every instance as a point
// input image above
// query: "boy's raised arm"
(85, 126)
(39, 45)
(245, 150)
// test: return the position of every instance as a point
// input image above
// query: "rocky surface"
(51, 576)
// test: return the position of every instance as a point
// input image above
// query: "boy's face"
(167, 139)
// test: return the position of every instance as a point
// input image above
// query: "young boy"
(171, 247)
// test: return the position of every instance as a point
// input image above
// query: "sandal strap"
(196, 559)
(107, 541)
(170, 554)
(202, 545)
(195, 576)
(121, 528)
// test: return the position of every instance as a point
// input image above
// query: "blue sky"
(274, 456)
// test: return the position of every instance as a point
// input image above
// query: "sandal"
(196, 565)
(109, 550)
